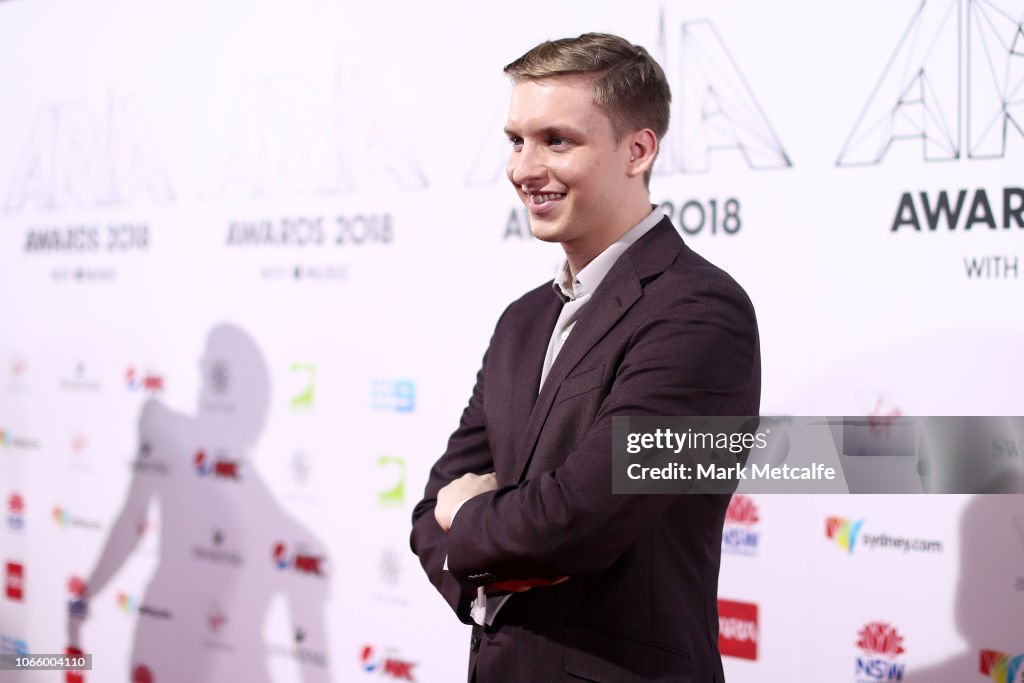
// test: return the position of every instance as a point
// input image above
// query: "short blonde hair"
(628, 84)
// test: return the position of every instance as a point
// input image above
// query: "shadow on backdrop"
(226, 548)
(989, 603)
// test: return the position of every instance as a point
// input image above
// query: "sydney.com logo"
(847, 534)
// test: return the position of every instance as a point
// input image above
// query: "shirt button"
(565, 335)
(474, 643)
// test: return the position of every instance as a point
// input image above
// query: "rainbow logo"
(5, 439)
(126, 603)
(62, 516)
(843, 531)
(999, 666)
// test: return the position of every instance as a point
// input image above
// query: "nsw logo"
(740, 534)
(15, 512)
(881, 646)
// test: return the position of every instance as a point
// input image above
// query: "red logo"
(74, 676)
(147, 381)
(301, 562)
(738, 632)
(142, 674)
(392, 667)
(15, 582)
(220, 468)
(879, 638)
(16, 504)
(742, 510)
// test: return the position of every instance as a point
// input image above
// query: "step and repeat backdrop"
(251, 255)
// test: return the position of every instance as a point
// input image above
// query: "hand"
(522, 585)
(466, 486)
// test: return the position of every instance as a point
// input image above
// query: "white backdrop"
(195, 196)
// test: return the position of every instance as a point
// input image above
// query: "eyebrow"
(556, 131)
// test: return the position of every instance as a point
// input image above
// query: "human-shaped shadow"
(226, 546)
(988, 609)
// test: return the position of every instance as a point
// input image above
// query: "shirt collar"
(588, 279)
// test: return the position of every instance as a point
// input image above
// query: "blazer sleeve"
(468, 450)
(698, 356)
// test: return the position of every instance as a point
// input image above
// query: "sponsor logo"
(299, 561)
(219, 377)
(143, 380)
(74, 676)
(9, 440)
(391, 395)
(219, 467)
(848, 535)
(216, 552)
(14, 581)
(1001, 667)
(386, 664)
(216, 624)
(15, 512)
(881, 646)
(300, 468)
(128, 604)
(299, 650)
(393, 494)
(145, 463)
(738, 630)
(64, 519)
(80, 379)
(78, 607)
(12, 645)
(142, 674)
(389, 567)
(740, 534)
(18, 371)
(304, 374)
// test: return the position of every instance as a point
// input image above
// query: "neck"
(578, 253)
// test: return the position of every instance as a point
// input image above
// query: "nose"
(526, 166)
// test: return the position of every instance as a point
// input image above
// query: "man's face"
(565, 162)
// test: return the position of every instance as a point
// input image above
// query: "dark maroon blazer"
(666, 333)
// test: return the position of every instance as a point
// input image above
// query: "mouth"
(538, 199)
(543, 203)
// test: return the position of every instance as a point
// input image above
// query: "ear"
(643, 148)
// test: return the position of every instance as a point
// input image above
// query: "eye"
(557, 141)
(516, 142)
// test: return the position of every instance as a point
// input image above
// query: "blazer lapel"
(621, 288)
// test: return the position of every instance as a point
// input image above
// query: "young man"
(518, 528)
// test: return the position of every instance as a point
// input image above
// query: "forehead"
(540, 104)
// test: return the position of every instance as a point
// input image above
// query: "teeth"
(541, 198)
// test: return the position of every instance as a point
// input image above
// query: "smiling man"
(518, 528)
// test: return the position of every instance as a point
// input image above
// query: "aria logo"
(881, 646)
(15, 512)
(1001, 667)
(219, 467)
(952, 75)
(714, 110)
(386, 665)
(302, 562)
(843, 532)
(78, 155)
(740, 535)
(146, 381)
(738, 631)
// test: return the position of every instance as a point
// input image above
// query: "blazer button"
(474, 643)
